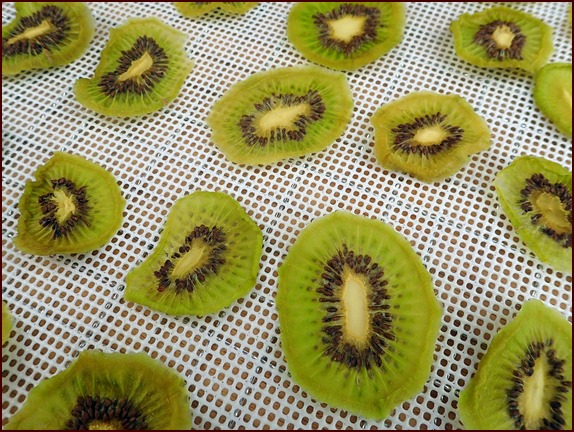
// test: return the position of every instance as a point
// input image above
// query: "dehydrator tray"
(233, 361)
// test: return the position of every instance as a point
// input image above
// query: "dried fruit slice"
(104, 391)
(428, 135)
(357, 313)
(501, 37)
(345, 35)
(6, 323)
(142, 69)
(536, 195)
(207, 257)
(281, 113)
(524, 381)
(195, 9)
(72, 206)
(44, 35)
(553, 94)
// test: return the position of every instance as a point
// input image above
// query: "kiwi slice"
(536, 195)
(345, 36)
(108, 391)
(553, 94)
(142, 68)
(281, 113)
(357, 313)
(501, 37)
(524, 381)
(195, 9)
(44, 35)
(73, 205)
(6, 323)
(207, 257)
(428, 135)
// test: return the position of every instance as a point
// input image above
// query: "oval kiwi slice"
(44, 35)
(207, 257)
(536, 195)
(524, 381)
(428, 135)
(345, 35)
(101, 391)
(281, 113)
(195, 9)
(142, 68)
(6, 323)
(358, 315)
(553, 94)
(501, 37)
(72, 206)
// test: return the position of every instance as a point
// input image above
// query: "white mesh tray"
(232, 361)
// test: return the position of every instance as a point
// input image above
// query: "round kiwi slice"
(281, 113)
(108, 391)
(73, 205)
(357, 313)
(142, 68)
(553, 94)
(6, 323)
(195, 9)
(207, 257)
(536, 195)
(524, 381)
(345, 36)
(428, 135)
(44, 35)
(501, 37)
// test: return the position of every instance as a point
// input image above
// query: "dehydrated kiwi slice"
(6, 323)
(357, 313)
(195, 9)
(104, 391)
(73, 205)
(501, 37)
(345, 35)
(142, 68)
(524, 381)
(553, 94)
(207, 257)
(281, 113)
(428, 135)
(44, 35)
(536, 195)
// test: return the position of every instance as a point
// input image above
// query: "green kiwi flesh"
(6, 323)
(345, 35)
(72, 206)
(357, 313)
(195, 9)
(281, 113)
(44, 35)
(207, 257)
(142, 68)
(107, 391)
(524, 381)
(553, 94)
(428, 135)
(536, 196)
(501, 37)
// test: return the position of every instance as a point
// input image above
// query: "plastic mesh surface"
(233, 361)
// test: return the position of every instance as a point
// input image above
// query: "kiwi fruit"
(281, 113)
(6, 323)
(207, 257)
(428, 135)
(524, 381)
(44, 35)
(142, 68)
(501, 37)
(72, 206)
(107, 391)
(345, 35)
(357, 313)
(536, 195)
(195, 9)
(553, 94)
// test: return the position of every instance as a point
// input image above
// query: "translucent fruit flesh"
(553, 94)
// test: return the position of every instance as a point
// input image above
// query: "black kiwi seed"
(48, 15)
(117, 414)
(484, 37)
(380, 319)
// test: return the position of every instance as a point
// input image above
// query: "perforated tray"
(232, 361)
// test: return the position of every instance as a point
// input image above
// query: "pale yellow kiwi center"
(283, 117)
(346, 28)
(193, 259)
(66, 205)
(32, 32)
(355, 306)
(105, 425)
(533, 401)
(430, 135)
(137, 67)
(554, 215)
(503, 37)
